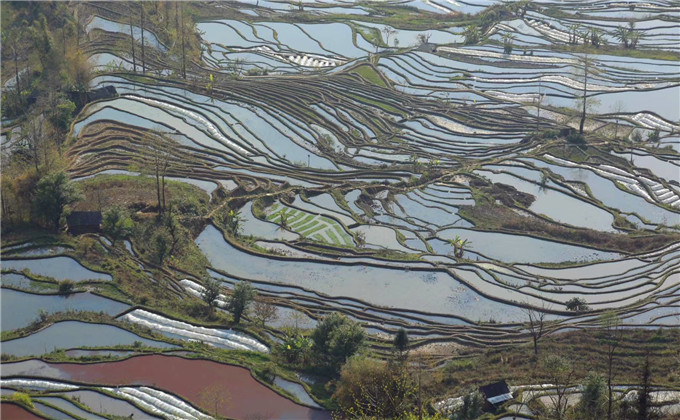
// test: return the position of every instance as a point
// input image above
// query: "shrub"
(23, 399)
(576, 138)
(653, 136)
(66, 287)
(577, 304)
(336, 339)
(372, 389)
(267, 372)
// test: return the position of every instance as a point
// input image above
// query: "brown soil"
(11, 411)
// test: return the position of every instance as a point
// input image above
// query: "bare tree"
(424, 38)
(264, 311)
(584, 102)
(215, 396)
(536, 325)
(33, 137)
(158, 155)
(388, 32)
(611, 338)
(618, 108)
(132, 43)
(141, 7)
(539, 101)
(560, 372)
(184, 55)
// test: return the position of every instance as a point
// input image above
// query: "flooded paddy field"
(409, 173)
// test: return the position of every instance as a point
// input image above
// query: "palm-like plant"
(459, 245)
(596, 37)
(622, 35)
(471, 34)
(508, 40)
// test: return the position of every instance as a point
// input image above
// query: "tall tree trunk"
(141, 6)
(184, 55)
(132, 42)
(63, 38)
(609, 387)
(163, 190)
(176, 18)
(158, 186)
(16, 74)
(585, 91)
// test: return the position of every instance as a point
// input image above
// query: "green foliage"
(161, 246)
(459, 244)
(473, 402)
(653, 136)
(62, 114)
(508, 43)
(471, 34)
(295, 348)
(53, 193)
(593, 404)
(576, 138)
(117, 224)
(636, 136)
(401, 341)
(23, 399)
(266, 372)
(243, 295)
(336, 339)
(232, 220)
(370, 388)
(66, 287)
(577, 304)
(211, 291)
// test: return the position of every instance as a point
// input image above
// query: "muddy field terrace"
(409, 209)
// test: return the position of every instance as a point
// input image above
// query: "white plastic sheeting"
(159, 403)
(632, 182)
(196, 289)
(214, 336)
(37, 384)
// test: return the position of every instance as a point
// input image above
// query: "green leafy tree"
(161, 246)
(473, 402)
(577, 304)
(66, 287)
(211, 291)
(61, 116)
(53, 193)
(336, 339)
(243, 295)
(593, 404)
(400, 342)
(645, 409)
(116, 224)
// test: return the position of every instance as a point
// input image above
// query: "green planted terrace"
(314, 226)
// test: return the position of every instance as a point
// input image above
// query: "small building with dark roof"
(496, 393)
(79, 222)
(105, 92)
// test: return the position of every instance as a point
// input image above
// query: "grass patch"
(369, 74)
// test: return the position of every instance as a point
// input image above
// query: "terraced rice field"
(355, 155)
